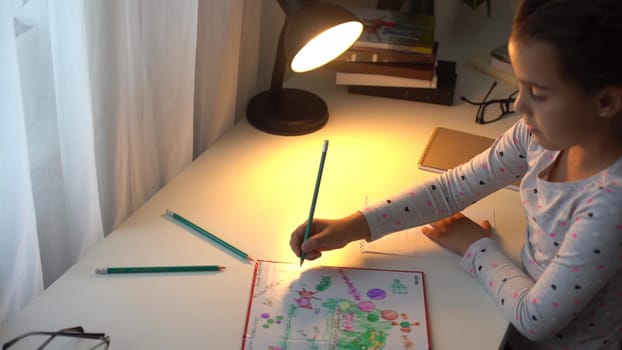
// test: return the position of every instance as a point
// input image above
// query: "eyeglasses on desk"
(78, 338)
(487, 115)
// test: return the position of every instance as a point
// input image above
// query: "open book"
(448, 148)
(335, 308)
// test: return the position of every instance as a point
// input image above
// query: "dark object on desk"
(485, 115)
(285, 111)
(419, 7)
(443, 94)
(89, 339)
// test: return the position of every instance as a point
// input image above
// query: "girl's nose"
(519, 104)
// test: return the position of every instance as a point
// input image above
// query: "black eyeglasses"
(485, 116)
(90, 341)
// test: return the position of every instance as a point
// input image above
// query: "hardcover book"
(380, 80)
(404, 70)
(376, 55)
(442, 94)
(326, 308)
(394, 30)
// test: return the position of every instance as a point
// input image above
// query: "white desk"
(252, 189)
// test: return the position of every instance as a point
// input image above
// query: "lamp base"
(298, 112)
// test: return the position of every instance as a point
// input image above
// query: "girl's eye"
(536, 93)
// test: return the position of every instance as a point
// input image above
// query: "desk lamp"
(314, 33)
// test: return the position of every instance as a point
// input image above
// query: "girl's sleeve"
(589, 256)
(498, 166)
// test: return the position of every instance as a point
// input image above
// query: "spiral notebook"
(448, 148)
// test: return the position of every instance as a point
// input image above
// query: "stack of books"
(383, 67)
(396, 56)
(442, 93)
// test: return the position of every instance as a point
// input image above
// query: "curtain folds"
(102, 102)
(142, 63)
(18, 252)
(225, 76)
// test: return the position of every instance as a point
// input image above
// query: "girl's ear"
(609, 102)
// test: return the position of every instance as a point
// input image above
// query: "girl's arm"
(587, 260)
(451, 192)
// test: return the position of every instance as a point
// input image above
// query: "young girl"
(567, 57)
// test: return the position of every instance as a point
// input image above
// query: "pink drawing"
(348, 322)
(305, 299)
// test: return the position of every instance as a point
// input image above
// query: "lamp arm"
(278, 70)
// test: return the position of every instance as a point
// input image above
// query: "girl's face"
(558, 113)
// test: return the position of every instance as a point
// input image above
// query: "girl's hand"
(328, 235)
(457, 232)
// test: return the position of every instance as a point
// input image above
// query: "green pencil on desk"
(206, 234)
(158, 269)
(314, 200)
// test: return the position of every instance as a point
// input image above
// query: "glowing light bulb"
(326, 46)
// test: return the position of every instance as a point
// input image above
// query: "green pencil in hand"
(314, 200)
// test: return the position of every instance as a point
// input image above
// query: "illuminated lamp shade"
(314, 33)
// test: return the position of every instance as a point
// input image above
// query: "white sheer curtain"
(97, 113)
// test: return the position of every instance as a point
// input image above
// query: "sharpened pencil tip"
(101, 271)
(168, 212)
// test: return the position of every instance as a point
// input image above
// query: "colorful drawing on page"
(335, 308)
